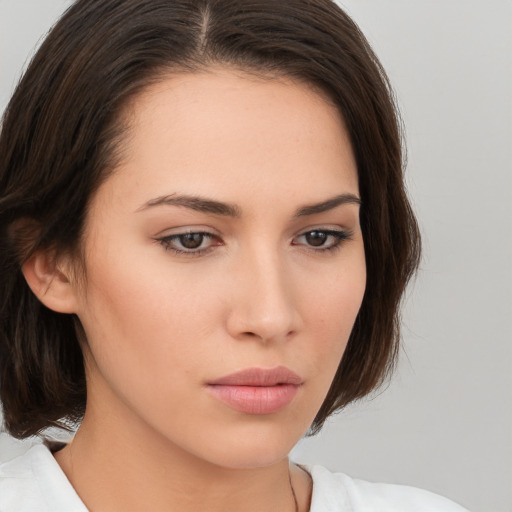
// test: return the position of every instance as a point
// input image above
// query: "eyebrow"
(232, 210)
(325, 206)
(197, 203)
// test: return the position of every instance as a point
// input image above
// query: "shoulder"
(337, 492)
(31, 480)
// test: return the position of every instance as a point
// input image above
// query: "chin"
(250, 458)
(255, 447)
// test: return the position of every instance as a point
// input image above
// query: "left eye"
(323, 239)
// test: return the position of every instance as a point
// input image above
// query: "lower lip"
(255, 399)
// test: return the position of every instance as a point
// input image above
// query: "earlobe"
(50, 283)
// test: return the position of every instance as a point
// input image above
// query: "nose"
(263, 301)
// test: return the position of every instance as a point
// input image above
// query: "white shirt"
(32, 481)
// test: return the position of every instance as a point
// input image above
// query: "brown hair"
(58, 143)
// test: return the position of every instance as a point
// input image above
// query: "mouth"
(256, 390)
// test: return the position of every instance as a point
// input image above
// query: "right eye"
(192, 243)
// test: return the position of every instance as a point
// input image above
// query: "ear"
(51, 282)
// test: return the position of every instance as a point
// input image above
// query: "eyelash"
(168, 240)
(340, 236)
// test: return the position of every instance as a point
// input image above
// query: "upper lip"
(259, 377)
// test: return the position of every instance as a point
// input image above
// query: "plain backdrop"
(445, 421)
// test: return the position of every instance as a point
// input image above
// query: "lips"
(257, 390)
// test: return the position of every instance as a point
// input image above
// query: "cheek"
(150, 325)
(334, 296)
(332, 306)
(143, 337)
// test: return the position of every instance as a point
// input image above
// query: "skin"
(160, 325)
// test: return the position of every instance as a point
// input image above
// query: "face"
(225, 267)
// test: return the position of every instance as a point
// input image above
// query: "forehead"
(230, 135)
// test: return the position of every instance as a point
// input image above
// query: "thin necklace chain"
(293, 491)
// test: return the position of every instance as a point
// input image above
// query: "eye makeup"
(197, 243)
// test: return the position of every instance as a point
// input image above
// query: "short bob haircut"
(60, 137)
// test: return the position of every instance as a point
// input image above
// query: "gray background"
(445, 422)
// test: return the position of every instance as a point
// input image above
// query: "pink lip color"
(257, 391)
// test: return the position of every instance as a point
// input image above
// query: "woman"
(205, 238)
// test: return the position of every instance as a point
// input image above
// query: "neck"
(126, 469)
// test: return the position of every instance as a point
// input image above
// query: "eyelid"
(167, 240)
(340, 235)
(186, 229)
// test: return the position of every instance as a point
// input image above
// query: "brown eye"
(190, 244)
(316, 238)
(322, 240)
(191, 240)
